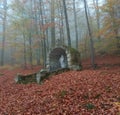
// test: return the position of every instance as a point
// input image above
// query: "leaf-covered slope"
(85, 92)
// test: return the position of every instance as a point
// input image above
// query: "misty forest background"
(29, 29)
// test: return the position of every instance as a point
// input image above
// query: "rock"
(38, 77)
(76, 67)
(43, 72)
(16, 79)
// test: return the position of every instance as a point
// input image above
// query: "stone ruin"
(63, 57)
(59, 59)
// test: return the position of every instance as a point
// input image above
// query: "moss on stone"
(75, 56)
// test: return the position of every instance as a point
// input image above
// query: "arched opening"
(58, 59)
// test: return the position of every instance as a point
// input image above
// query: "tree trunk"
(75, 18)
(30, 37)
(46, 32)
(4, 32)
(61, 24)
(43, 37)
(25, 59)
(96, 3)
(67, 24)
(90, 35)
(53, 24)
(30, 49)
(37, 33)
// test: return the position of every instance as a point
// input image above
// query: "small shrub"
(89, 106)
(62, 93)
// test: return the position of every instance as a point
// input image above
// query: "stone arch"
(54, 58)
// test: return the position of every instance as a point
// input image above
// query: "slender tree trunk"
(24, 43)
(67, 24)
(30, 37)
(61, 23)
(30, 48)
(46, 32)
(36, 29)
(58, 5)
(14, 48)
(98, 17)
(47, 40)
(4, 32)
(91, 37)
(53, 24)
(96, 3)
(43, 33)
(40, 31)
(75, 18)
(25, 59)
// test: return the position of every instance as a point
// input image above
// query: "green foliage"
(75, 56)
(62, 93)
(73, 51)
(89, 106)
(25, 79)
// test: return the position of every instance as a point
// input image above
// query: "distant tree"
(67, 24)
(75, 18)
(61, 21)
(53, 23)
(111, 20)
(36, 22)
(46, 21)
(90, 35)
(62, 24)
(43, 34)
(97, 11)
(4, 19)
(30, 34)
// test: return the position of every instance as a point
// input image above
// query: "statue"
(62, 62)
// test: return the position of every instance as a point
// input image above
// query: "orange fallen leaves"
(87, 92)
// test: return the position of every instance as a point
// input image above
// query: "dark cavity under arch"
(54, 58)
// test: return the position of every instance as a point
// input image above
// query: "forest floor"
(86, 92)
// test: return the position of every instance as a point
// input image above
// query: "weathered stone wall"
(70, 60)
